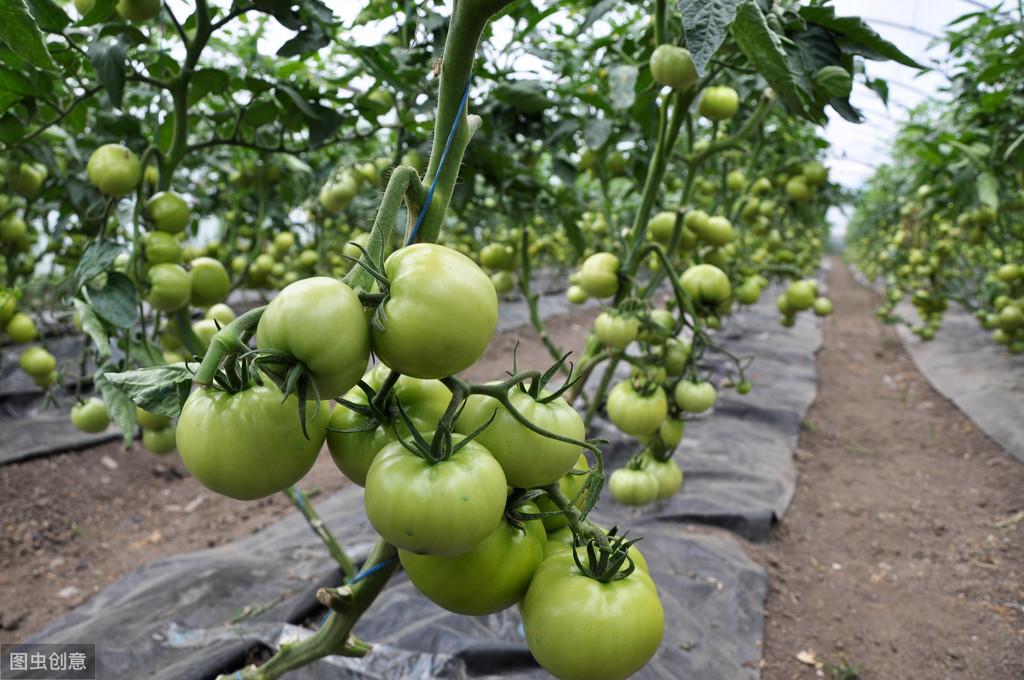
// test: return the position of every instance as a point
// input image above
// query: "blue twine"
(440, 166)
(372, 570)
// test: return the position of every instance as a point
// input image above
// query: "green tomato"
(578, 628)
(815, 173)
(667, 474)
(21, 329)
(320, 322)
(28, 181)
(616, 163)
(633, 487)
(503, 282)
(673, 67)
(8, 306)
(150, 421)
(444, 508)
(440, 314)
(114, 169)
(1011, 317)
(800, 295)
(220, 313)
(571, 485)
(635, 413)
(671, 432)
(161, 247)
(37, 362)
(90, 416)
(169, 212)
(616, 331)
(748, 292)
(576, 295)
(159, 441)
(696, 221)
(736, 180)
(170, 287)
(498, 256)
(706, 284)
(336, 196)
(249, 444)
(138, 10)
(424, 402)
(797, 190)
(719, 103)
(599, 275)
(210, 282)
(695, 397)
(744, 387)
(661, 226)
(491, 576)
(204, 330)
(822, 306)
(717, 231)
(676, 354)
(12, 229)
(527, 458)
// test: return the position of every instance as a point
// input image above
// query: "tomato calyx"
(607, 562)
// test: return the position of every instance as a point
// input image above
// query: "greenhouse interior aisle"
(901, 554)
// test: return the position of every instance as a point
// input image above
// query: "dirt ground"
(73, 523)
(902, 556)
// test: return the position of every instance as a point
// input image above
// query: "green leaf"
(96, 259)
(858, 36)
(988, 190)
(100, 12)
(146, 353)
(19, 31)
(48, 15)
(764, 50)
(159, 389)
(622, 85)
(93, 327)
(108, 59)
(706, 23)
(119, 406)
(117, 302)
(529, 96)
(207, 80)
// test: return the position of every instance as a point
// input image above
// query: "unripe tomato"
(138, 10)
(616, 331)
(668, 476)
(822, 306)
(749, 292)
(249, 444)
(150, 421)
(576, 295)
(161, 247)
(151, 175)
(336, 196)
(159, 441)
(527, 458)
(671, 432)
(337, 353)
(706, 284)
(815, 173)
(578, 628)
(498, 256)
(169, 212)
(673, 67)
(800, 296)
(12, 229)
(8, 305)
(414, 160)
(797, 190)
(170, 287)
(37, 362)
(440, 314)
(284, 241)
(1011, 317)
(308, 259)
(90, 416)
(21, 328)
(761, 185)
(635, 413)
(719, 103)
(220, 313)
(616, 163)
(210, 282)
(29, 178)
(676, 353)
(736, 180)
(444, 508)
(744, 387)
(696, 221)
(661, 226)
(1008, 273)
(204, 330)
(633, 487)
(717, 231)
(114, 169)
(695, 397)
(599, 275)
(491, 576)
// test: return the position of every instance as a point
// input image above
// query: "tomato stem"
(301, 501)
(226, 341)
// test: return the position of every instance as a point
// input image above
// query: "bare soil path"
(902, 556)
